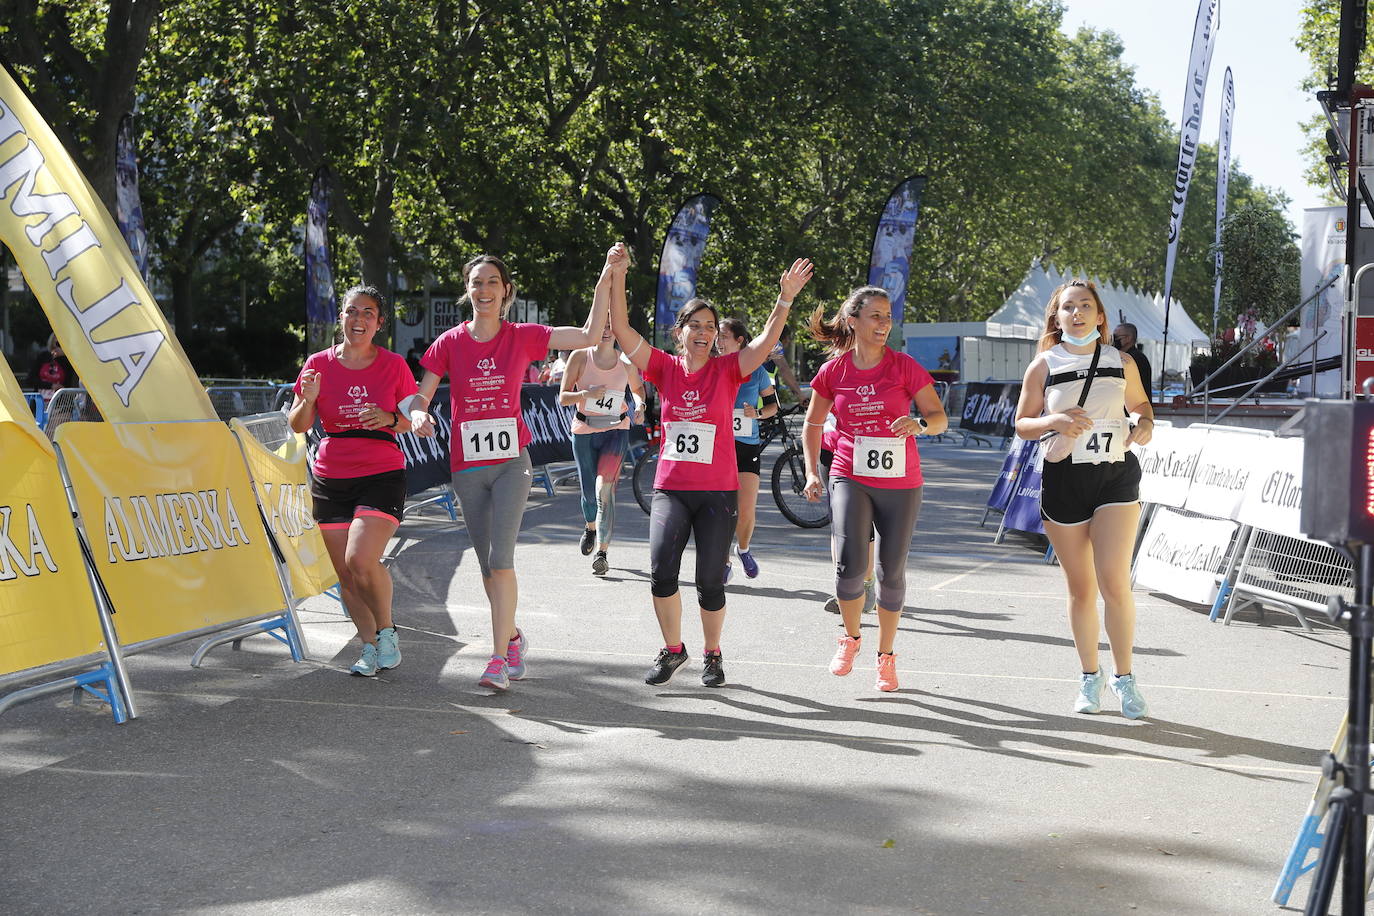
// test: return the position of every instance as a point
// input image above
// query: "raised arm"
(629, 339)
(570, 338)
(791, 283)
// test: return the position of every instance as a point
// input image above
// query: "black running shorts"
(339, 500)
(1070, 493)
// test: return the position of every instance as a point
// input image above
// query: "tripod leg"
(1319, 900)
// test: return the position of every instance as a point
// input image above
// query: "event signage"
(1199, 66)
(47, 611)
(1273, 494)
(284, 492)
(1323, 260)
(1167, 464)
(1011, 469)
(175, 532)
(683, 247)
(990, 408)
(1183, 555)
(889, 265)
(321, 309)
(77, 265)
(1023, 509)
(1223, 471)
(128, 208)
(1228, 106)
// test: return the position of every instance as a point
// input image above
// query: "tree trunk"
(183, 307)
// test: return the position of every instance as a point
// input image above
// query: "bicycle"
(788, 477)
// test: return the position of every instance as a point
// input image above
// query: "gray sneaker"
(1133, 705)
(366, 665)
(388, 649)
(833, 605)
(1090, 693)
(870, 595)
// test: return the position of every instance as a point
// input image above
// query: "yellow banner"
(174, 529)
(47, 612)
(284, 489)
(15, 409)
(76, 263)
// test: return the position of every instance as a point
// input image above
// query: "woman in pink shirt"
(485, 360)
(696, 483)
(358, 477)
(875, 479)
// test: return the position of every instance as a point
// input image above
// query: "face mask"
(1080, 341)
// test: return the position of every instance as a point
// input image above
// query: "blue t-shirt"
(749, 394)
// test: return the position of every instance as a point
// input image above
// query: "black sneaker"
(712, 670)
(600, 565)
(664, 665)
(588, 541)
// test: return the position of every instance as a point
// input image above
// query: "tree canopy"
(544, 132)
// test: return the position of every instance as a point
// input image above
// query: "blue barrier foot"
(1308, 841)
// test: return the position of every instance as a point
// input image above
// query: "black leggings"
(856, 510)
(709, 516)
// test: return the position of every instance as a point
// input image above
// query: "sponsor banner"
(1199, 66)
(1023, 511)
(1167, 464)
(889, 266)
(75, 261)
(1323, 257)
(1273, 495)
(47, 612)
(990, 408)
(427, 458)
(283, 485)
(1183, 556)
(1223, 471)
(1011, 467)
(1228, 107)
(128, 208)
(321, 309)
(175, 532)
(681, 259)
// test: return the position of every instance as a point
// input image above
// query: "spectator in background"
(52, 371)
(557, 367)
(1124, 338)
(778, 366)
(413, 360)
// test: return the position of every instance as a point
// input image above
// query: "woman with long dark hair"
(358, 477)
(696, 483)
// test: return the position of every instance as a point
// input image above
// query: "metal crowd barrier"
(69, 404)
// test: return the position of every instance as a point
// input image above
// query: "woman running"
(594, 385)
(697, 478)
(485, 360)
(358, 477)
(1075, 399)
(875, 479)
(757, 400)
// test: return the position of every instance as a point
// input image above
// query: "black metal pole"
(1349, 44)
(1357, 751)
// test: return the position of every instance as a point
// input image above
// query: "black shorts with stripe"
(1070, 493)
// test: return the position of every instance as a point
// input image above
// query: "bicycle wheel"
(643, 477)
(789, 486)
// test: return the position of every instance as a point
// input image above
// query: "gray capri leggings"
(493, 500)
(856, 511)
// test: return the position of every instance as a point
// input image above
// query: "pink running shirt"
(344, 394)
(706, 396)
(866, 401)
(485, 378)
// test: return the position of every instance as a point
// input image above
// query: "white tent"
(1025, 310)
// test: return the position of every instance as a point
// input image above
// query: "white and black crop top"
(1068, 371)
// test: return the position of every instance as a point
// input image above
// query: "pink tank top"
(615, 380)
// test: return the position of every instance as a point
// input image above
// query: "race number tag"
(685, 441)
(606, 404)
(745, 427)
(1106, 441)
(879, 456)
(490, 440)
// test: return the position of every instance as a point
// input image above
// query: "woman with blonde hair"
(1078, 398)
(875, 477)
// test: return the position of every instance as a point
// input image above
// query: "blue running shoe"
(388, 649)
(1090, 693)
(515, 655)
(366, 665)
(495, 676)
(1133, 705)
(746, 559)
